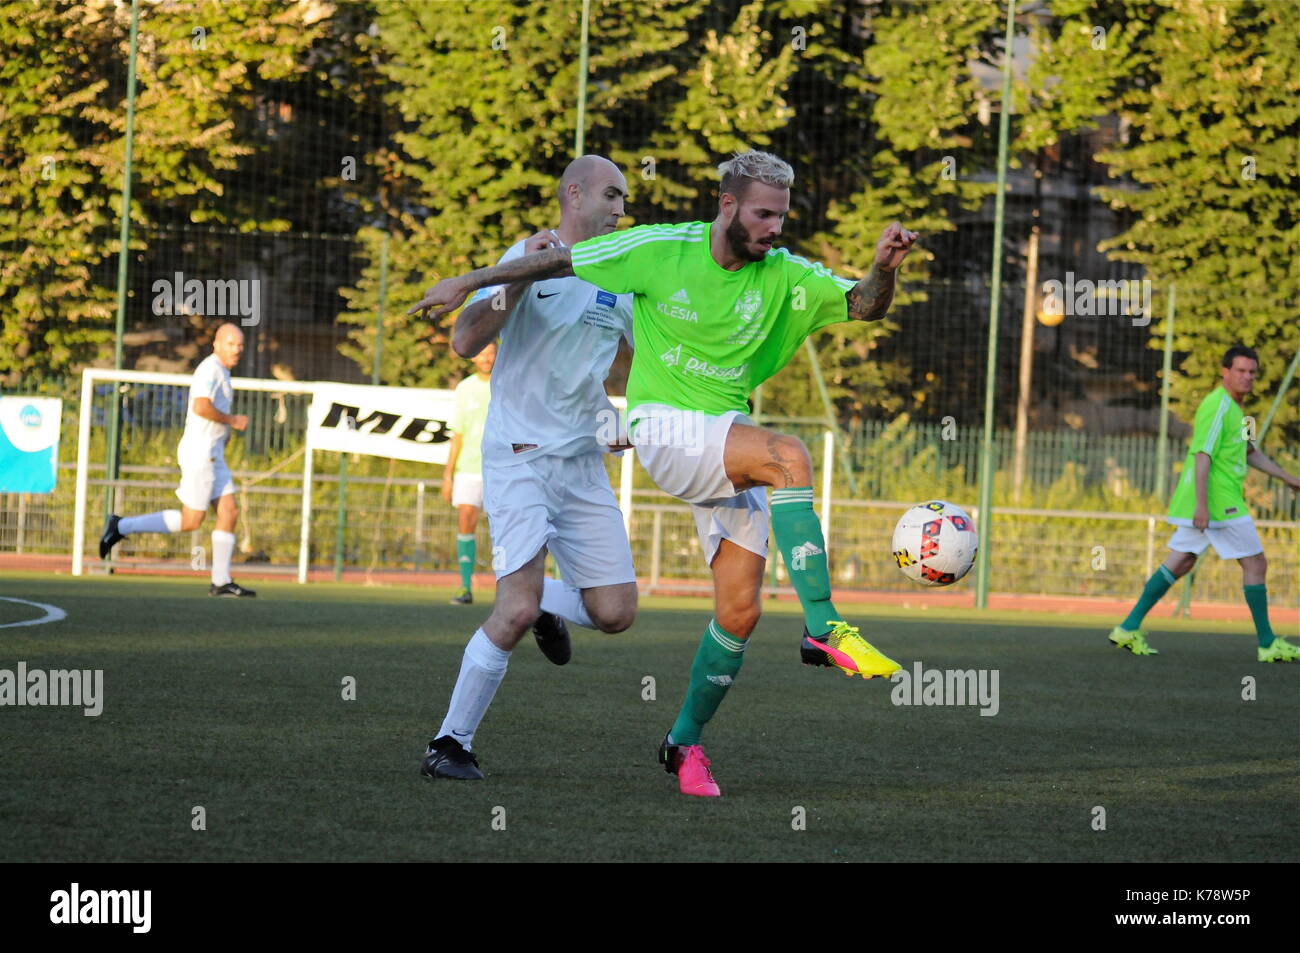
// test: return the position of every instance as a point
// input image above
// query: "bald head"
(228, 345)
(591, 193)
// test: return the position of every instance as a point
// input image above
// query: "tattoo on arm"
(551, 263)
(870, 298)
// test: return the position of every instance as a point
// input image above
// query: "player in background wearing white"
(205, 478)
(544, 482)
(462, 481)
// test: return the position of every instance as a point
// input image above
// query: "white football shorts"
(682, 450)
(1234, 539)
(565, 504)
(467, 490)
(203, 479)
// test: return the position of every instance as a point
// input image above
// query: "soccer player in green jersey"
(1209, 509)
(462, 480)
(718, 309)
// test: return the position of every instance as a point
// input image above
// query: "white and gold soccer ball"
(935, 543)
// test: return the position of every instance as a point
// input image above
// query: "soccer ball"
(935, 543)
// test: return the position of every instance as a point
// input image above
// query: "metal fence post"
(982, 565)
(828, 452)
(656, 549)
(341, 521)
(1151, 544)
(419, 524)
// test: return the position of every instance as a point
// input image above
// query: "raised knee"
(191, 521)
(521, 618)
(794, 458)
(619, 620)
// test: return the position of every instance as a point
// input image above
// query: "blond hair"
(745, 167)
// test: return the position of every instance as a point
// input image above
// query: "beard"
(739, 241)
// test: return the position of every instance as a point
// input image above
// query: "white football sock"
(164, 521)
(481, 671)
(559, 598)
(223, 548)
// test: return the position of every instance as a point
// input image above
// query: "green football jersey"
(706, 337)
(468, 418)
(1219, 432)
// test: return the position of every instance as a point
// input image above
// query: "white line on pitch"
(52, 613)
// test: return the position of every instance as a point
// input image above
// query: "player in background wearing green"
(718, 309)
(462, 481)
(1209, 509)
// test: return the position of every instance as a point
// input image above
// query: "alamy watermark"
(1087, 298)
(228, 298)
(653, 427)
(75, 688)
(936, 686)
(77, 906)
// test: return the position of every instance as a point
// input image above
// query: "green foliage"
(1209, 95)
(53, 309)
(473, 108)
(730, 100)
(200, 66)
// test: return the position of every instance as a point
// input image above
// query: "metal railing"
(395, 524)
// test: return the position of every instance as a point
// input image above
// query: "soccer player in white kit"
(205, 478)
(544, 482)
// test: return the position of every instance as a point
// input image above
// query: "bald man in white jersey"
(205, 478)
(544, 482)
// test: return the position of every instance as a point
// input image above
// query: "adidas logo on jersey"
(681, 296)
(799, 555)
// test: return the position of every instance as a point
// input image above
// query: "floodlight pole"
(1162, 449)
(579, 137)
(123, 239)
(995, 294)
(379, 318)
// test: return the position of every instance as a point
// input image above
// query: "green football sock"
(1152, 593)
(716, 665)
(466, 553)
(1257, 599)
(799, 537)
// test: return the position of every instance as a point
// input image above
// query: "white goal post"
(92, 376)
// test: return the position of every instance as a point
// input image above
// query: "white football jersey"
(548, 383)
(205, 437)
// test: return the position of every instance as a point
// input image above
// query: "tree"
(907, 79)
(54, 211)
(63, 132)
(471, 175)
(1208, 92)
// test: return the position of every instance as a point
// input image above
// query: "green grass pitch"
(236, 706)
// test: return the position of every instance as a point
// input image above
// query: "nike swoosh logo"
(461, 734)
(551, 295)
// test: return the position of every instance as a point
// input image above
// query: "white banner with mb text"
(407, 423)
